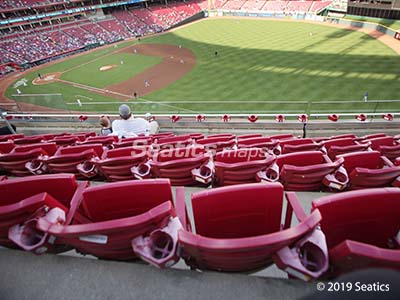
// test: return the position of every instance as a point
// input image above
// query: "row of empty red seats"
(233, 229)
(335, 163)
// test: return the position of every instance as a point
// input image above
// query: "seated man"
(128, 126)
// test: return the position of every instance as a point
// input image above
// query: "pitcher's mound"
(46, 78)
(106, 68)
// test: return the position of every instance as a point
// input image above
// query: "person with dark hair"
(4, 130)
(105, 125)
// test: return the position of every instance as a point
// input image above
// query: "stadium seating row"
(45, 42)
(300, 164)
(237, 228)
(250, 5)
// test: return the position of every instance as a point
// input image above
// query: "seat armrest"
(180, 207)
(75, 203)
(293, 206)
(386, 161)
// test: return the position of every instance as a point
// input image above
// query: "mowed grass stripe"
(273, 60)
(126, 65)
(266, 60)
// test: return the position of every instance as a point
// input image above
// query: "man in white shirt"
(128, 126)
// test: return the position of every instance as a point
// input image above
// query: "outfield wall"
(367, 25)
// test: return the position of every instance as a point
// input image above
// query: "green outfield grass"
(264, 65)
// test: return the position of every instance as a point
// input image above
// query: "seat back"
(281, 136)
(102, 139)
(254, 142)
(338, 142)
(249, 136)
(364, 159)
(4, 138)
(49, 148)
(381, 141)
(301, 159)
(29, 140)
(170, 142)
(125, 199)
(238, 211)
(60, 186)
(295, 141)
(98, 148)
(369, 216)
(179, 153)
(162, 135)
(240, 155)
(126, 151)
(6, 147)
(227, 141)
(342, 136)
(222, 136)
(134, 141)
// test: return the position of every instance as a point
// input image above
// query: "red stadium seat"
(387, 146)
(49, 148)
(196, 136)
(6, 147)
(29, 198)
(238, 229)
(179, 141)
(4, 138)
(218, 143)
(134, 142)
(29, 140)
(66, 159)
(67, 140)
(222, 135)
(304, 171)
(106, 141)
(14, 162)
(116, 214)
(115, 164)
(334, 147)
(162, 135)
(296, 145)
(361, 229)
(176, 164)
(369, 136)
(281, 136)
(249, 136)
(367, 169)
(237, 166)
(265, 143)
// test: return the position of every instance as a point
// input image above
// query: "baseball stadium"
(200, 148)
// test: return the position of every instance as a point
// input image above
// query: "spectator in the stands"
(128, 126)
(105, 125)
